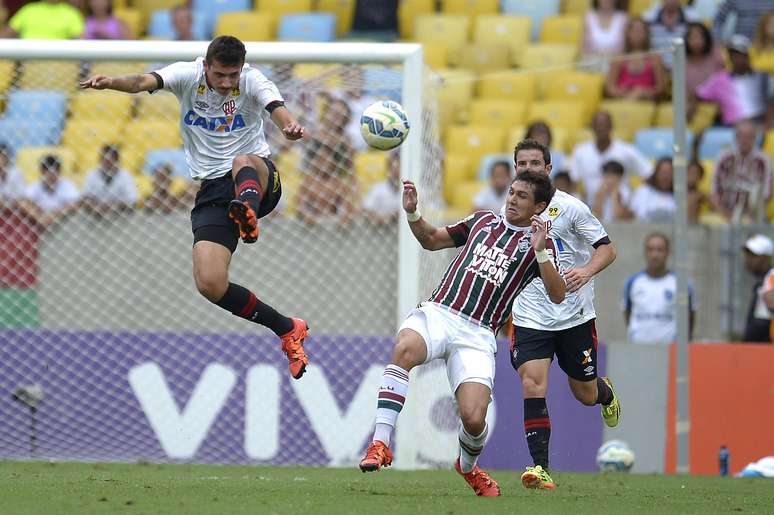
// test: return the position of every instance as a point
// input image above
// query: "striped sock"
(471, 447)
(247, 187)
(392, 396)
(537, 428)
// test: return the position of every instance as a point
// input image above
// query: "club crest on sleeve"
(201, 89)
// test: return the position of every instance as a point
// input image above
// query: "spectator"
(109, 188)
(757, 252)
(375, 16)
(703, 59)
(492, 198)
(740, 93)
(47, 19)
(11, 180)
(741, 184)
(747, 13)
(356, 98)
(603, 28)
(161, 199)
(649, 297)
(654, 201)
(51, 198)
(698, 202)
(639, 76)
(588, 157)
(541, 132)
(182, 23)
(563, 182)
(611, 202)
(383, 202)
(667, 22)
(100, 22)
(762, 51)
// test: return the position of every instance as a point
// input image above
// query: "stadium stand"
(307, 27)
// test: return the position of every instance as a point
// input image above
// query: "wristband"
(413, 217)
(542, 256)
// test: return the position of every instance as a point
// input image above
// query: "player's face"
(221, 77)
(531, 160)
(656, 253)
(520, 204)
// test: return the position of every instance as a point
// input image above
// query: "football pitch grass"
(84, 488)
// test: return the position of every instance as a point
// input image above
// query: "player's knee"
(241, 161)
(210, 286)
(532, 387)
(586, 395)
(406, 354)
(473, 418)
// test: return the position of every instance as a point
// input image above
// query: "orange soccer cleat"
(244, 216)
(293, 347)
(481, 482)
(378, 455)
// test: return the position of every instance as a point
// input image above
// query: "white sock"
(471, 447)
(392, 396)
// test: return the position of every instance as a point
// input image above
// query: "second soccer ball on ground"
(384, 125)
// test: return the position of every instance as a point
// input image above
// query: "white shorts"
(468, 348)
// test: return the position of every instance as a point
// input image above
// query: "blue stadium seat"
(175, 157)
(307, 27)
(383, 81)
(714, 140)
(535, 9)
(31, 104)
(161, 25)
(657, 142)
(210, 9)
(33, 118)
(19, 132)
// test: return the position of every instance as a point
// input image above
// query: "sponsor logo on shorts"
(589, 370)
(276, 187)
(587, 356)
(514, 354)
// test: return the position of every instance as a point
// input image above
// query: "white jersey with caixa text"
(216, 128)
(574, 229)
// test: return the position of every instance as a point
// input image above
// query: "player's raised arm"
(128, 84)
(285, 122)
(429, 236)
(551, 279)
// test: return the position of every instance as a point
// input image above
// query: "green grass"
(79, 488)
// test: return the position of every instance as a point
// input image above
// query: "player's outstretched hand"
(96, 82)
(539, 231)
(293, 131)
(409, 197)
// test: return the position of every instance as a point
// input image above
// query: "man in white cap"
(758, 250)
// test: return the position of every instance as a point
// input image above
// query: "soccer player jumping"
(221, 100)
(500, 255)
(542, 329)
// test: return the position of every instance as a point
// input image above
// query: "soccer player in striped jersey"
(500, 254)
(542, 329)
(221, 104)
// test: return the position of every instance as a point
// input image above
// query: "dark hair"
(538, 126)
(181, 7)
(632, 21)
(505, 164)
(613, 167)
(563, 174)
(652, 179)
(658, 235)
(706, 34)
(109, 149)
(541, 185)
(227, 50)
(5, 151)
(531, 144)
(697, 164)
(617, 7)
(90, 11)
(50, 163)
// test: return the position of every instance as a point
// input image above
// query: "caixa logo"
(217, 124)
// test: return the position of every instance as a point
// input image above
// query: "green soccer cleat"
(612, 412)
(537, 478)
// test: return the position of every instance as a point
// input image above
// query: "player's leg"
(252, 177)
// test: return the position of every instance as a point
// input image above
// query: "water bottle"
(723, 455)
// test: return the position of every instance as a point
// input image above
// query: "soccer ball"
(615, 456)
(384, 125)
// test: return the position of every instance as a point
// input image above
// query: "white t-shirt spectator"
(608, 213)
(12, 187)
(488, 200)
(599, 40)
(651, 303)
(64, 193)
(121, 189)
(382, 199)
(652, 205)
(586, 163)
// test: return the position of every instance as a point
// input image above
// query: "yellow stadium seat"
(629, 116)
(547, 55)
(579, 7)
(408, 12)
(288, 164)
(50, 75)
(768, 143)
(483, 58)
(144, 184)
(450, 30)
(637, 7)
(475, 141)
(117, 69)
(664, 115)
(344, 11)
(161, 105)
(706, 182)
(464, 193)
(146, 7)
(278, 8)
(370, 168)
(436, 55)
(104, 105)
(456, 169)
(578, 86)
(247, 26)
(703, 117)
(6, 74)
(498, 113)
(134, 19)
(515, 134)
(564, 29)
(470, 7)
(560, 138)
(511, 85)
(581, 136)
(513, 31)
(85, 138)
(566, 115)
(144, 135)
(454, 91)
(28, 161)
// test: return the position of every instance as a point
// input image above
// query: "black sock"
(247, 187)
(537, 428)
(243, 303)
(604, 393)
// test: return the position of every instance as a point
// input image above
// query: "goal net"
(108, 352)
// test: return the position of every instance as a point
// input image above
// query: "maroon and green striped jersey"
(495, 263)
